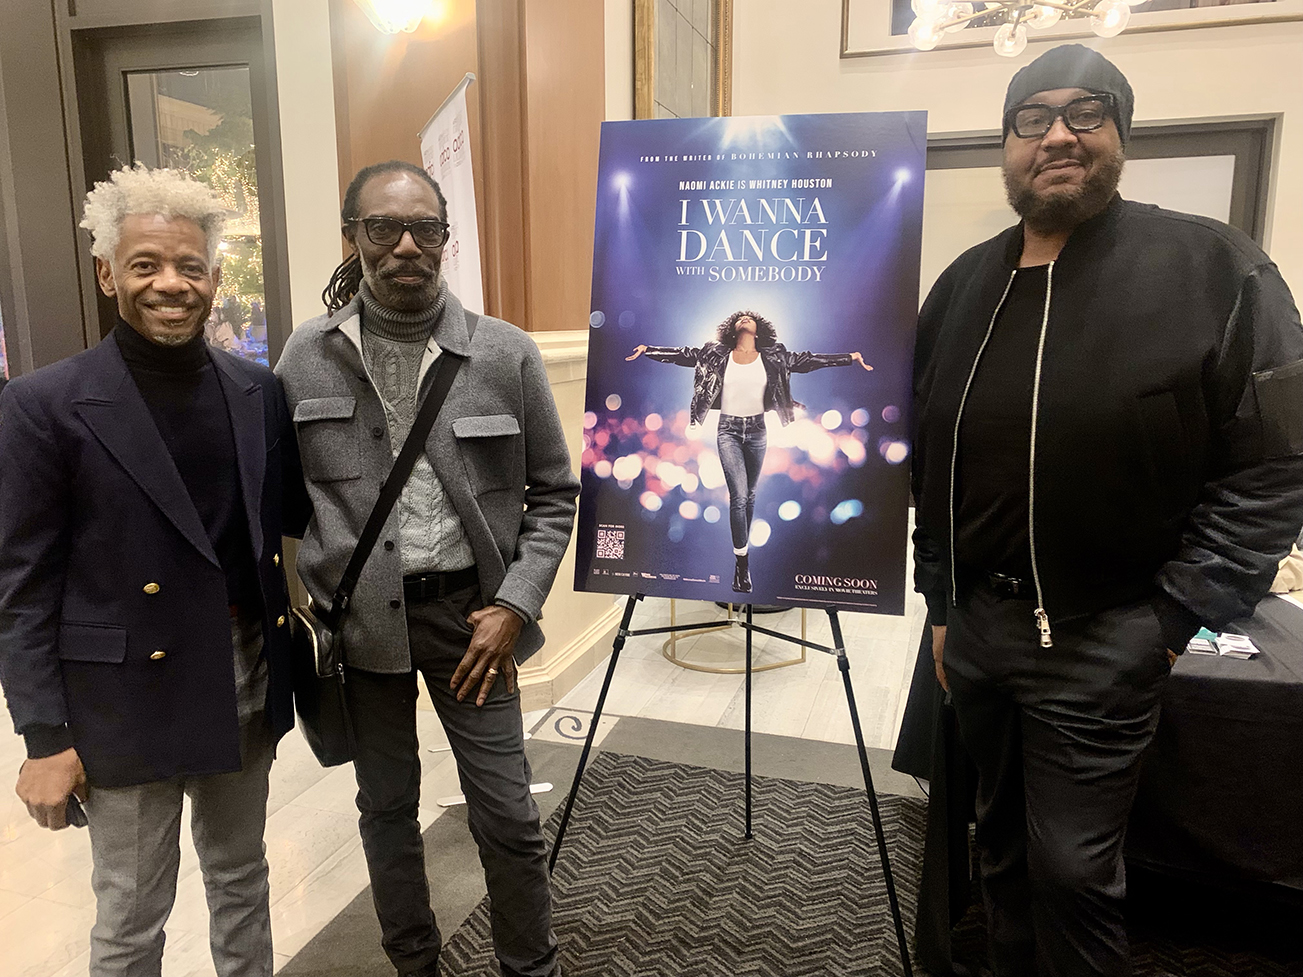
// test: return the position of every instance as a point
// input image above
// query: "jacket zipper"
(1042, 619)
(954, 454)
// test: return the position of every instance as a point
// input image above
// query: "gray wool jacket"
(497, 447)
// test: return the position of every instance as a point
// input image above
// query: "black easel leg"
(747, 834)
(843, 663)
(616, 648)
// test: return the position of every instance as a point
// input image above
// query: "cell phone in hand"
(75, 814)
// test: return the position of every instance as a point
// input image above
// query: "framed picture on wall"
(683, 58)
(1219, 169)
(875, 27)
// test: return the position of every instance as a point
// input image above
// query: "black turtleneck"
(184, 395)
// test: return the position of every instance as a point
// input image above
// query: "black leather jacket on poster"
(1168, 440)
(780, 363)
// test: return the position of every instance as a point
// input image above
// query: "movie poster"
(755, 290)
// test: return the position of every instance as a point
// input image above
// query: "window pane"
(201, 121)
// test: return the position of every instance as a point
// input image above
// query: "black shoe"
(741, 577)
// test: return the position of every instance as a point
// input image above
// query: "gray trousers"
(488, 742)
(135, 848)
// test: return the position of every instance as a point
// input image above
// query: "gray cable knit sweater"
(431, 536)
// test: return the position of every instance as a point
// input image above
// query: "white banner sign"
(446, 154)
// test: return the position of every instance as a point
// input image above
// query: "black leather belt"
(1009, 588)
(437, 586)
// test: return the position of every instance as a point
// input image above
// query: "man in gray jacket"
(454, 588)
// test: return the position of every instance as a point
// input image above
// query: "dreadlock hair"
(347, 278)
(766, 334)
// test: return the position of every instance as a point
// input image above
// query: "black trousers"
(1056, 734)
(489, 746)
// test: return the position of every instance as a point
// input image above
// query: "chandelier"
(1013, 19)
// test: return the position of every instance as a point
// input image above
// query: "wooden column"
(565, 45)
(534, 114)
(504, 243)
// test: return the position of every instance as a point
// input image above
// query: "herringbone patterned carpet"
(655, 880)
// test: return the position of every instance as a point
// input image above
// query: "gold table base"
(670, 648)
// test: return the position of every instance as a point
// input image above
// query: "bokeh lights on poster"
(813, 224)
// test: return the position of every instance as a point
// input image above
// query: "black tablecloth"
(1221, 792)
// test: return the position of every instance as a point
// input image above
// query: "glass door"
(201, 120)
(193, 101)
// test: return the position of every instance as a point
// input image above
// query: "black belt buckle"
(437, 586)
(1008, 588)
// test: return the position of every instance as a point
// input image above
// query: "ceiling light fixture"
(395, 16)
(1012, 19)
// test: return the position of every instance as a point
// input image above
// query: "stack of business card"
(1235, 646)
(1227, 645)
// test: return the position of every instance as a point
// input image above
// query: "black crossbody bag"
(317, 647)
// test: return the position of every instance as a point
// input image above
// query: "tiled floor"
(317, 868)
(805, 700)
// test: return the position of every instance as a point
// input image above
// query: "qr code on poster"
(610, 544)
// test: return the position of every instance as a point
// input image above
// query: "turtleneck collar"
(401, 327)
(142, 353)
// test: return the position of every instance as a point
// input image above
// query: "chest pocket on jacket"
(328, 441)
(488, 444)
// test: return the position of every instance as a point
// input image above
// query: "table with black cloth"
(1220, 797)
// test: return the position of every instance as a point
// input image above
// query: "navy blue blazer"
(104, 564)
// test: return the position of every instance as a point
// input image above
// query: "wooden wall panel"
(388, 86)
(504, 243)
(535, 117)
(566, 102)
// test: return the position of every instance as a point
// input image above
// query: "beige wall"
(619, 60)
(307, 120)
(785, 61)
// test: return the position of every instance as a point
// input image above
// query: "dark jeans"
(742, 443)
(488, 743)
(1056, 734)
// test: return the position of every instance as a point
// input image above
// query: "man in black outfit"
(144, 645)
(1109, 454)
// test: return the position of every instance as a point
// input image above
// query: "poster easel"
(843, 664)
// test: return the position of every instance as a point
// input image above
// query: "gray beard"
(1049, 212)
(401, 298)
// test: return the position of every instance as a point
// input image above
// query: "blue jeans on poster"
(742, 443)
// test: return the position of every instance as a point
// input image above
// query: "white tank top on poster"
(744, 388)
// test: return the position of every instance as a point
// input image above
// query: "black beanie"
(1072, 66)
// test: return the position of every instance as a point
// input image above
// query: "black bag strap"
(444, 374)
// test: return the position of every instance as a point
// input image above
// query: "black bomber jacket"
(1167, 459)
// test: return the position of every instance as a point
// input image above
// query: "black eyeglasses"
(1085, 114)
(388, 231)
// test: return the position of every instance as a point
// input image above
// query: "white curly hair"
(141, 190)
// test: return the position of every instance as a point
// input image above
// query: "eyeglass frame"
(1061, 112)
(407, 228)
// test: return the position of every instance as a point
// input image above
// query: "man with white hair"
(144, 648)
